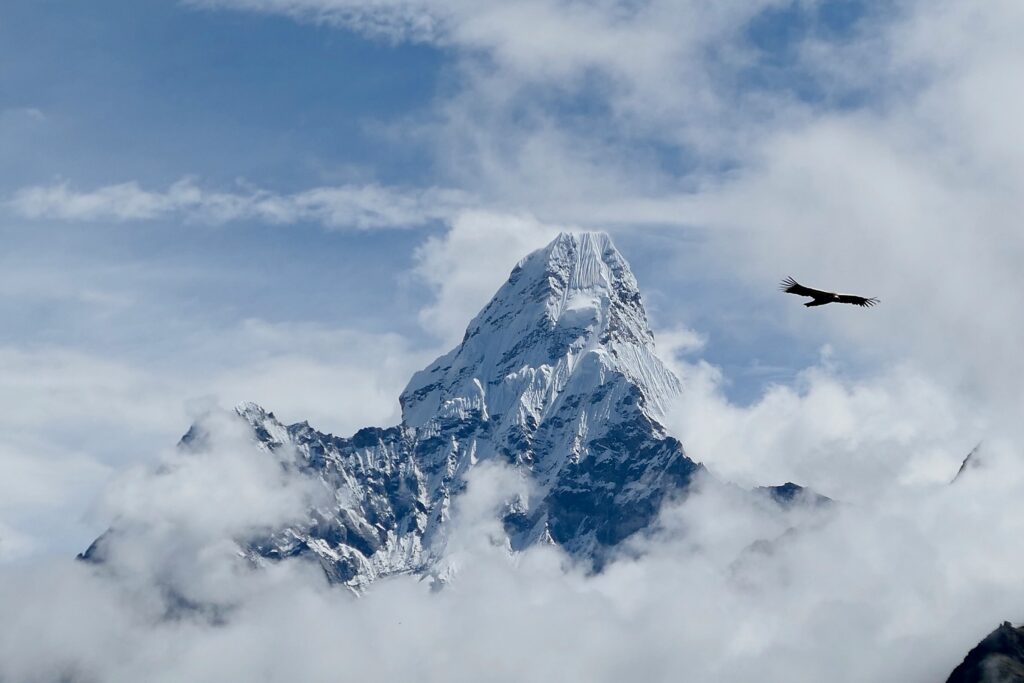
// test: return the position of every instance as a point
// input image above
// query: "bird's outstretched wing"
(857, 300)
(793, 287)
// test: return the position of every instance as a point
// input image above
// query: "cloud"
(393, 19)
(922, 571)
(82, 389)
(338, 379)
(557, 102)
(74, 418)
(679, 341)
(346, 207)
(932, 237)
(467, 265)
(44, 491)
(224, 488)
(847, 438)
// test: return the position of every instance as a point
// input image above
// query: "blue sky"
(300, 202)
(113, 92)
(152, 90)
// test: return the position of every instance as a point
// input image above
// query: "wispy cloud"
(648, 86)
(391, 19)
(353, 207)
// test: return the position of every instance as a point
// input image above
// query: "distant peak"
(252, 411)
(268, 428)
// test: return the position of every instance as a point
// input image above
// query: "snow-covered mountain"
(557, 376)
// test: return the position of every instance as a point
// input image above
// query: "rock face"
(557, 377)
(999, 658)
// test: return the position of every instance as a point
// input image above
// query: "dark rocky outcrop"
(999, 658)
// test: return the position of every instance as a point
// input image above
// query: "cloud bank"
(730, 588)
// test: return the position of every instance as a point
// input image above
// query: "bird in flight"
(820, 298)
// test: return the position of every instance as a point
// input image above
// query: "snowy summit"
(557, 376)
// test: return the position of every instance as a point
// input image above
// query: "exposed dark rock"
(999, 658)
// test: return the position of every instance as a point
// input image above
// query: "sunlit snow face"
(582, 310)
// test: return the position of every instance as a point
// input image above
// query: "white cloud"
(923, 571)
(468, 264)
(643, 83)
(72, 418)
(339, 379)
(395, 19)
(939, 246)
(225, 488)
(850, 439)
(44, 491)
(58, 388)
(679, 341)
(346, 207)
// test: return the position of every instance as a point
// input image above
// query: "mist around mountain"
(532, 516)
(557, 379)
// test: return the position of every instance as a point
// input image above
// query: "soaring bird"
(820, 298)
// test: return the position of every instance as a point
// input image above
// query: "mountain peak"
(586, 258)
(585, 272)
(568, 312)
(556, 378)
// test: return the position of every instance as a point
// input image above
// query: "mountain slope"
(557, 377)
(999, 658)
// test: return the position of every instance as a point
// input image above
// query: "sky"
(301, 202)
